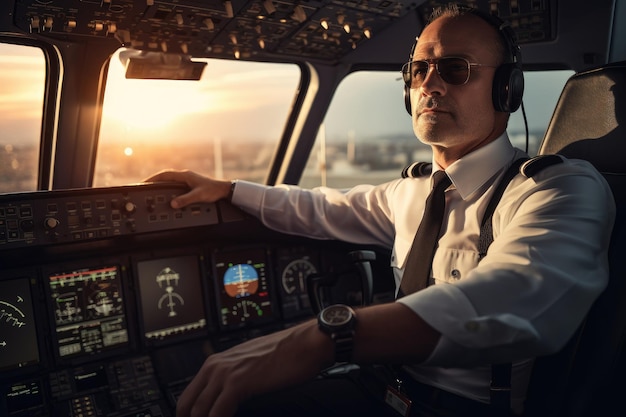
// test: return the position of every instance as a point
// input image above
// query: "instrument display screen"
(18, 335)
(243, 287)
(88, 309)
(171, 297)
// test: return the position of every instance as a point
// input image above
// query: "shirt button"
(455, 273)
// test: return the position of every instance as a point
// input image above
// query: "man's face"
(457, 119)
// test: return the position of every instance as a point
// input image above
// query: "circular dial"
(295, 274)
(244, 310)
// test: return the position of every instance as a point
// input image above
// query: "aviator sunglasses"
(453, 70)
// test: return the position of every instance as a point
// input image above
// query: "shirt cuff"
(446, 309)
(248, 196)
(467, 337)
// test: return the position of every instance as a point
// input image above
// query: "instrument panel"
(117, 323)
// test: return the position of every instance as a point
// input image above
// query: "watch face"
(336, 315)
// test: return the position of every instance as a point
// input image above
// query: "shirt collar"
(470, 172)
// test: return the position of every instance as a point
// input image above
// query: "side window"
(22, 87)
(541, 92)
(226, 125)
(367, 135)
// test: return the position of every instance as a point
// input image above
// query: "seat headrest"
(589, 121)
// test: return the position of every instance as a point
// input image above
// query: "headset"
(508, 81)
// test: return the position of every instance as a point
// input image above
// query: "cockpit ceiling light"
(237, 54)
(261, 43)
(360, 22)
(325, 23)
(346, 28)
(341, 18)
(367, 32)
(228, 7)
(208, 22)
(233, 38)
(299, 14)
(269, 7)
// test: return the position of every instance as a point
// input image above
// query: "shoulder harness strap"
(528, 167)
(500, 387)
(486, 228)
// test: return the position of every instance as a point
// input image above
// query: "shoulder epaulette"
(529, 168)
(417, 169)
(535, 165)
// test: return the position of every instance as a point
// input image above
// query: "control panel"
(215, 28)
(45, 218)
(111, 300)
(128, 384)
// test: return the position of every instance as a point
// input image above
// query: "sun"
(149, 104)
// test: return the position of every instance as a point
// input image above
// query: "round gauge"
(244, 310)
(295, 274)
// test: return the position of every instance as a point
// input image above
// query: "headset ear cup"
(508, 88)
(407, 100)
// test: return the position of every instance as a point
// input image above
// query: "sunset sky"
(22, 75)
(190, 109)
(224, 103)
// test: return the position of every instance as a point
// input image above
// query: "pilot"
(524, 298)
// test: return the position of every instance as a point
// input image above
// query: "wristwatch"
(339, 322)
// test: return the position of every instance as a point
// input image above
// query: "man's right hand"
(202, 188)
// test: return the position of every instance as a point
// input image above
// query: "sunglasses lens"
(414, 73)
(454, 71)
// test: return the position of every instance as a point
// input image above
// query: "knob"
(51, 223)
(129, 207)
(48, 21)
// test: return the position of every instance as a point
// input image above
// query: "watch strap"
(344, 344)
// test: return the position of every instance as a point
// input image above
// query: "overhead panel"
(315, 30)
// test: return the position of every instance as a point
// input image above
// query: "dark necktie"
(420, 258)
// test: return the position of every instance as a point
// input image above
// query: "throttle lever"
(318, 282)
(362, 259)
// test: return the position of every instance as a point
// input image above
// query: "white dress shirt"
(526, 297)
